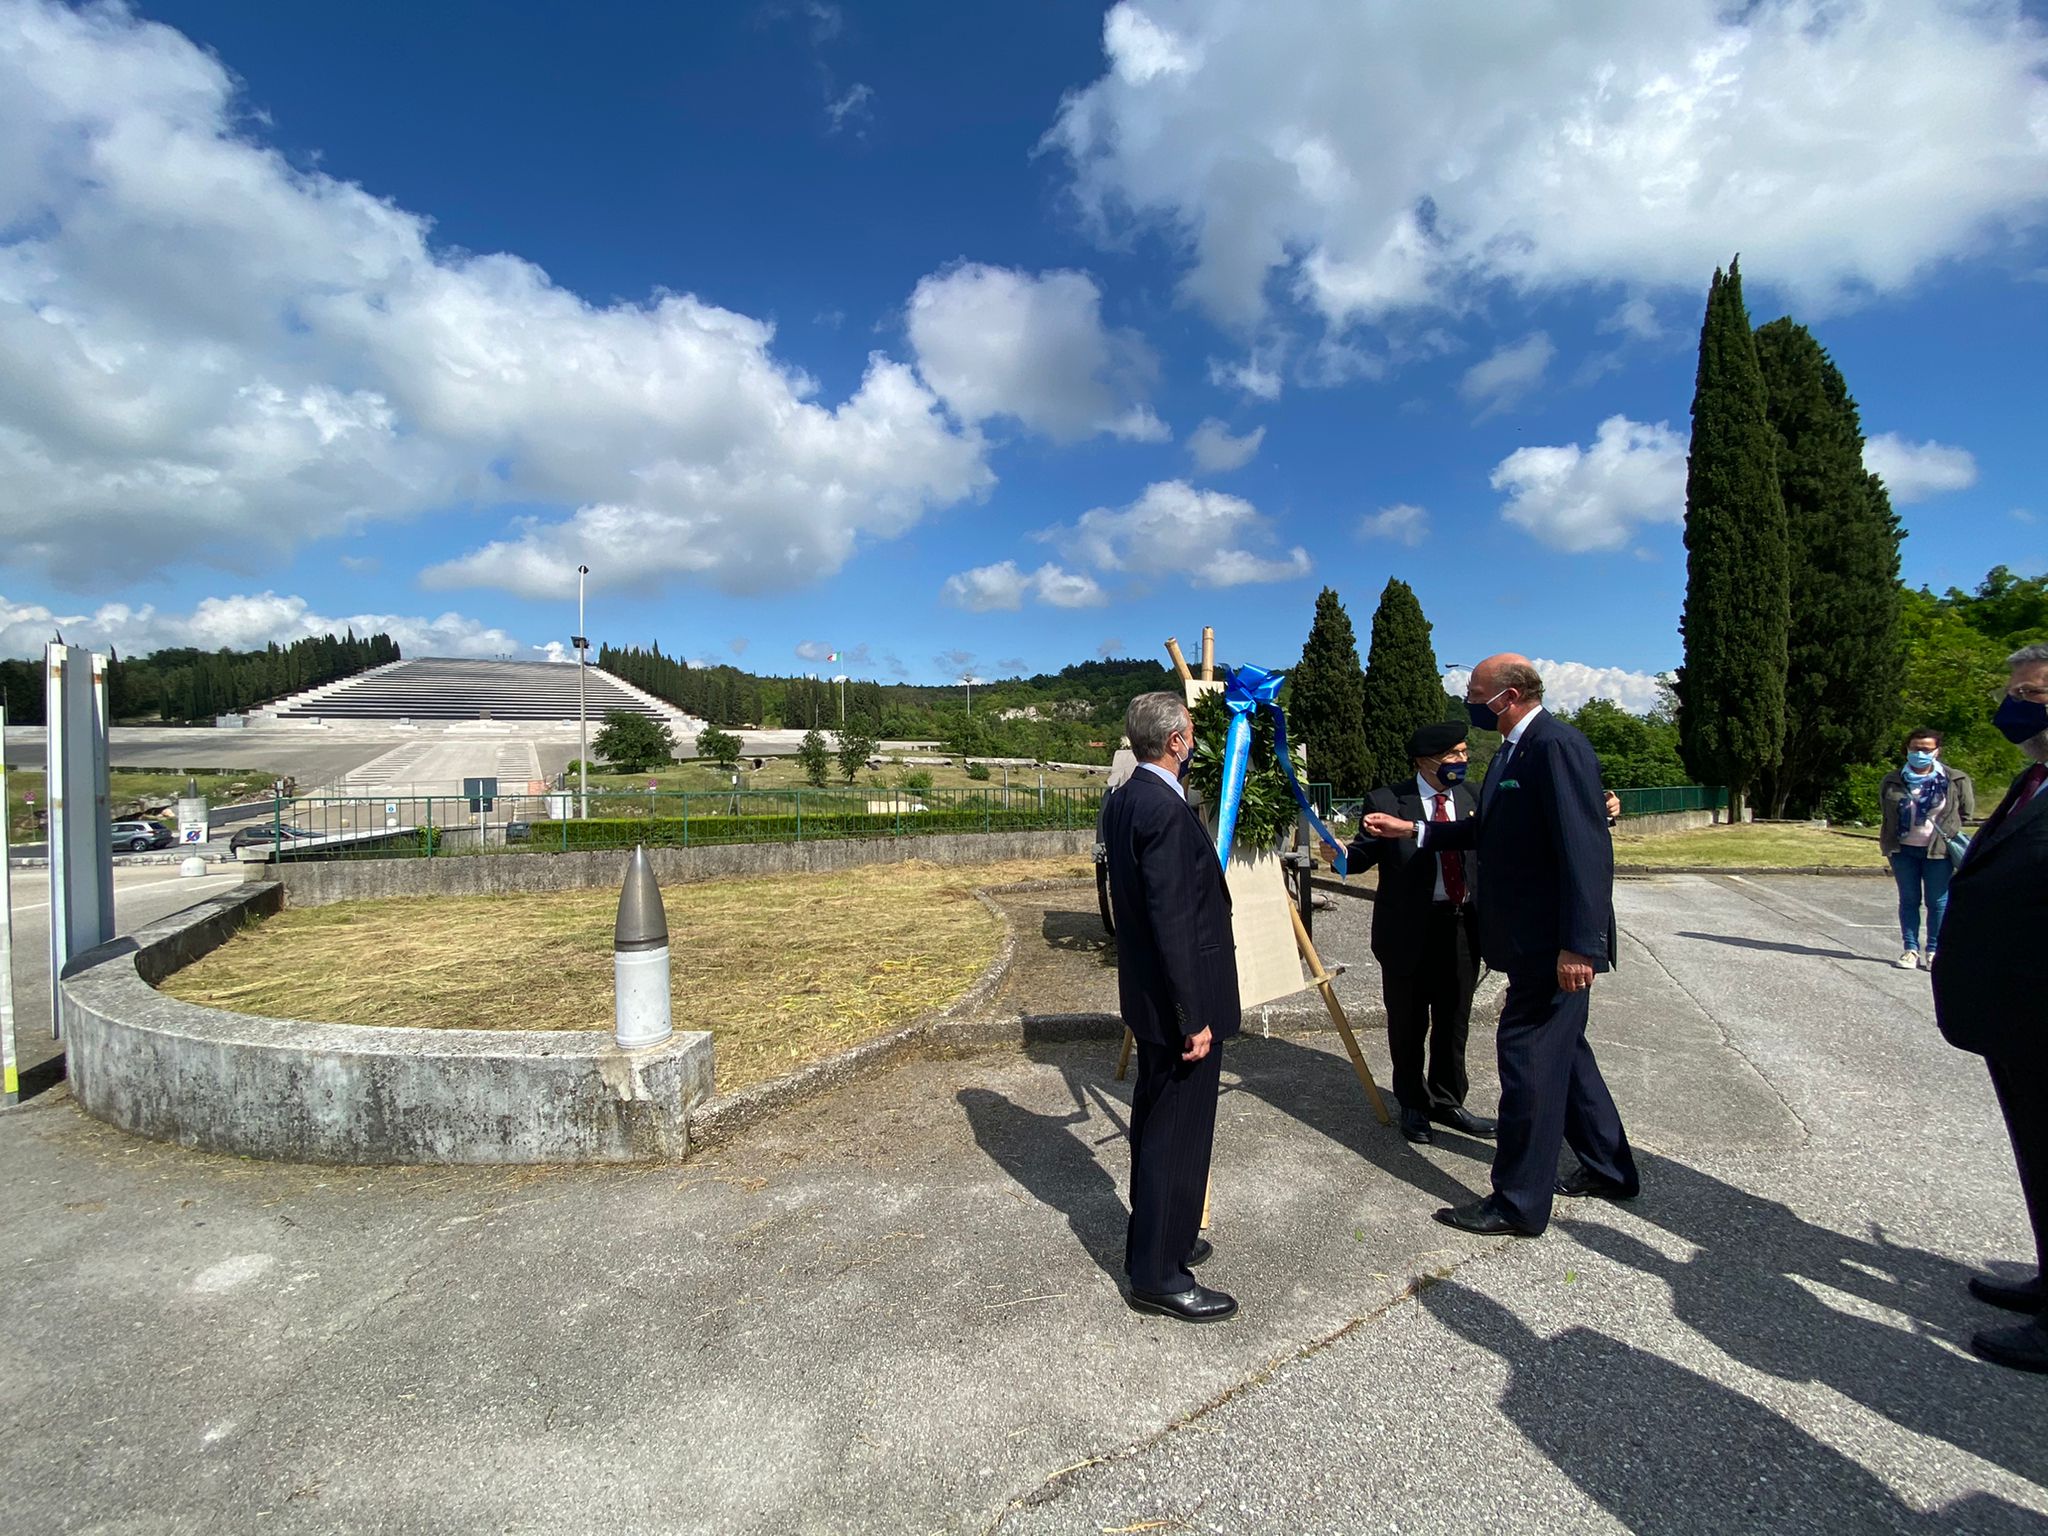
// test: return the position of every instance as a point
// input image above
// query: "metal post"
(582, 726)
(10, 1068)
(640, 969)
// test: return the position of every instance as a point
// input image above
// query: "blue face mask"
(1920, 762)
(1482, 715)
(1448, 774)
(2020, 720)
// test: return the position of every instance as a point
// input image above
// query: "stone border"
(299, 1091)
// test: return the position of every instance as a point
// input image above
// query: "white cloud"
(1175, 529)
(1916, 471)
(1003, 587)
(293, 357)
(1377, 158)
(242, 623)
(1253, 377)
(1216, 452)
(1568, 684)
(853, 104)
(1402, 522)
(1510, 373)
(1580, 499)
(813, 650)
(996, 342)
(1109, 646)
(1636, 317)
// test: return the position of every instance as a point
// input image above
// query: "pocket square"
(1509, 784)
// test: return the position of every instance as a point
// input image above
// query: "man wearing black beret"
(1425, 936)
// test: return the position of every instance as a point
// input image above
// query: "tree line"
(186, 684)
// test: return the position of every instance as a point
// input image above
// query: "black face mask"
(2020, 720)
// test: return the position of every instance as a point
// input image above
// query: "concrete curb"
(1846, 871)
(299, 1091)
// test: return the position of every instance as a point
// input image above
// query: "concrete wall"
(321, 884)
(1670, 821)
(342, 1093)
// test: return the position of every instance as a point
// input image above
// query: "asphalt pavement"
(896, 1308)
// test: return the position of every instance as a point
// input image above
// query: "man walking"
(1425, 936)
(1546, 922)
(1987, 989)
(1177, 986)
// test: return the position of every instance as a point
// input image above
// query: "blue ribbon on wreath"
(1246, 690)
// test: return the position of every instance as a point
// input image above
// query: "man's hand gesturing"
(1379, 824)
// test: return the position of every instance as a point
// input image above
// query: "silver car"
(139, 836)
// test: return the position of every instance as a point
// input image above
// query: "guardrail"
(444, 826)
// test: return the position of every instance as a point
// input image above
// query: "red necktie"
(1453, 866)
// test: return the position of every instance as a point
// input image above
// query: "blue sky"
(977, 338)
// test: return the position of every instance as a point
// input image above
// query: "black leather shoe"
(1482, 1218)
(1198, 1304)
(1581, 1182)
(1459, 1118)
(2013, 1295)
(1199, 1254)
(2024, 1347)
(1415, 1126)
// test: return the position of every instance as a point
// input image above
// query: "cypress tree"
(1325, 696)
(1731, 690)
(1845, 659)
(1403, 687)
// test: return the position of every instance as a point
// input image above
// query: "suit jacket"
(1176, 957)
(1987, 978)
(1542, 839)
(1407, 875)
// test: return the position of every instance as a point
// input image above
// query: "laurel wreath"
(1268, 807)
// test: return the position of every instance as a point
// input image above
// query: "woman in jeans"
(1924, 804)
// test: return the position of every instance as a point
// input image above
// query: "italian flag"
(831, 655)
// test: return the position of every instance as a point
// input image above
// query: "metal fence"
(449, 826)
(1676, 797)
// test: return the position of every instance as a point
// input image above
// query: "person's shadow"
(1059, 1169)
(1079, 933)
(1736, 942)
(1668, 1452)
(1749, 1286)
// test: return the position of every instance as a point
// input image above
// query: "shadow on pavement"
(1079, 933)
(1750, 1285)
(1045, 1157)
(1783, 949)
(1668, 1452)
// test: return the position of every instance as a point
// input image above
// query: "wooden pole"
(1123, 1060)
(1322, 980)
(1208, 653)
(1180, 662)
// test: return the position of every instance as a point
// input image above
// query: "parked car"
(259, 834)
(137, 836)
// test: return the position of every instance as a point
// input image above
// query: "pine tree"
(1403, 687)
(1731, 689)
(1845, 661)
(1325, 698)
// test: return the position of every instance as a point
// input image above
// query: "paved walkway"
(895, 1308)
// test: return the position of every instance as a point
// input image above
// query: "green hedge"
(706, 831)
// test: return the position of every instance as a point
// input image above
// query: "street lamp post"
(582, 719)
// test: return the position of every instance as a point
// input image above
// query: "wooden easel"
(1321, 977)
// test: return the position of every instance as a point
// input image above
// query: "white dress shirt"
(1429, 793)
(1178, 787)
(1504, 756)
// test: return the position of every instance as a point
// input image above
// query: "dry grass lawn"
(1752, 847)
(784, 970)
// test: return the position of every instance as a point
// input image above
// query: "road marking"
(133, 885)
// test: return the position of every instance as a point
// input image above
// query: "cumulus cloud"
(1003, 586)
(1368, 159)
(1176, 529)
(997, 342)
(1917, 471)
(1259, 380)
(1403, 523)
(1216, 452)
(1636, 317)
(295, 357)
(1568, 684)
(243, 623)
(812, 650)
(1579, 499)
(1510, 373)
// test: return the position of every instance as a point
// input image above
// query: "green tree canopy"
(815, 757)
(722, 747)
(632, 743)
(856, 746)
(1737, 578)
(1404, 688)
(1326, 700)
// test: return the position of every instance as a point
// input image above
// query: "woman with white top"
(1924, 804)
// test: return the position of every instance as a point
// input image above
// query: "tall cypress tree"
(1731, 690)
(1846, 662)
(1403, 687)
(1325, 695)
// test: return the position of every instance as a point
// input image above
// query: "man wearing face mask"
(1987, 990)
(1425, 936)
(1546, 922)
(1177, 986)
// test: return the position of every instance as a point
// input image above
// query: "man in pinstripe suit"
(1546, 922)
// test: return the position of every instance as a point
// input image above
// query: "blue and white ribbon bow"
(1245, 690)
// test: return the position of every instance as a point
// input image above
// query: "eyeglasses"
(2033, 693)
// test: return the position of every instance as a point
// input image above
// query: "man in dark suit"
(1425, 936)
(1177, 986)
(1987, 989)
(1546, 922)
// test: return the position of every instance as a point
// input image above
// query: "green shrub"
(919, 778)
(977, 772)
(1853, 796)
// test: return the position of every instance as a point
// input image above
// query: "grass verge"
(1751, 847)
(127, 790)
(784, 970)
